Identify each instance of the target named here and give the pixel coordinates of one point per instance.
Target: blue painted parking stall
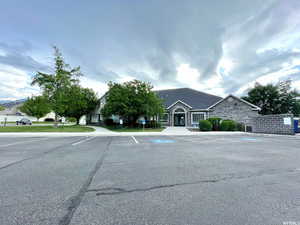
(162, 141)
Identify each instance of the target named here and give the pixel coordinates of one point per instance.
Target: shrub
(71, 119)
(205, 125)
(152, 124)
(49, 120)
(228, 125)
(109, 122)
(240, 127)
(215, 121)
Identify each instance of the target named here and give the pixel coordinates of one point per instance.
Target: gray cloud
(17, 56)
(150, 39)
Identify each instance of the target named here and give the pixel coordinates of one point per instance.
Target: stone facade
(229, 108)
(274, 124)
(233, 108)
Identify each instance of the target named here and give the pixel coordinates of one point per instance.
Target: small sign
(287, 121)
(121, 122)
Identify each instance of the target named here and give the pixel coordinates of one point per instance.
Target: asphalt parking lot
(157, 180)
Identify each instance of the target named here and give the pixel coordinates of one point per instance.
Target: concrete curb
(108, 134)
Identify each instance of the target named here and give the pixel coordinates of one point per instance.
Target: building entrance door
(179, 119)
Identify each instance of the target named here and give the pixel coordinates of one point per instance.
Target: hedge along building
(185, 107)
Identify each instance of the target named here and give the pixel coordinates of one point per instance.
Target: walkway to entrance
(176, 130)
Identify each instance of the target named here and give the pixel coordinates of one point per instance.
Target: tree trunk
(77, 121)
(55, 121)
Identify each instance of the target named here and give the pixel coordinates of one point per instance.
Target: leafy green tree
(55, 84)
(1, 108)
(36, 106)
(131, 100)
(274, 99)
(288, 98)
(76, 102)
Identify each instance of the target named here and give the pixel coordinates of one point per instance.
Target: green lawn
(34, 122)
(127, 129)
(43, 122)
(74, 128)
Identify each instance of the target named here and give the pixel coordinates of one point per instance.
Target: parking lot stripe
(82, 141)
(136, 141)
(22, 142)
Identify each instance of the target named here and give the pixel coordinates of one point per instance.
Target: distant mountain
(9, 104)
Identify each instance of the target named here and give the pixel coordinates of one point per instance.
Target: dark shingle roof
(195, 99)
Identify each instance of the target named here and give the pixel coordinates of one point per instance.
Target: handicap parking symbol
(162, 141)
(249, 139)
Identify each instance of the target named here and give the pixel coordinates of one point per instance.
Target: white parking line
(136, 141)
(82, 141)
(22, 142)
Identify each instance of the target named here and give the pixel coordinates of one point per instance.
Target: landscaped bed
(75, 128)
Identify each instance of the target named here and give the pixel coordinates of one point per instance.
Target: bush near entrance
(215, 121)
(216, 124)
(205, 125)
(228, 125)
(240, 127)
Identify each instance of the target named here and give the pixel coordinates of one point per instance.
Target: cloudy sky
(219, 47)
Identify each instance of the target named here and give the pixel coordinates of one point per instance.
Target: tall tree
(54, 84)
(36, 106)
(131, 100)
(288, 98)
(274, 99)
(76, 102)
(1, 108)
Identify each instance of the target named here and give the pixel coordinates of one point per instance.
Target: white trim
(192, 113)
(242, 100)
(196, 110)
(180, 102)
(179, 107)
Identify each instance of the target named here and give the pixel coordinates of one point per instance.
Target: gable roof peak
(239, 99)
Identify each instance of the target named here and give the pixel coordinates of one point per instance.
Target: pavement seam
(117, 191)
(76, 200)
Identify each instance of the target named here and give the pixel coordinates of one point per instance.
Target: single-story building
(186, 106)
(12, 113)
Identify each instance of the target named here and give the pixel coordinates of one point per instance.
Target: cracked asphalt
(157, 180)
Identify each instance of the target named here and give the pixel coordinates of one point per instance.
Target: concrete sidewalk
(108, 134)
(177, 130)
(103, 132)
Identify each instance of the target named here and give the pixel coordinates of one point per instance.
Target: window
(164, 117)
(179, 110)
(197, 116)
